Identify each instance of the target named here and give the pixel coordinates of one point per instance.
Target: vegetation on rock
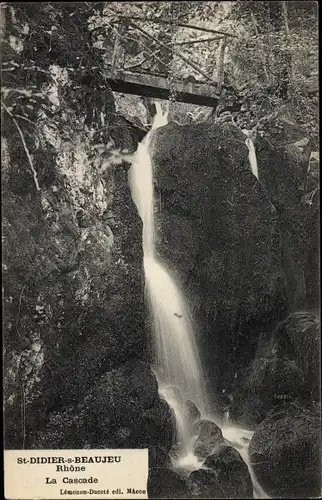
(76, 336)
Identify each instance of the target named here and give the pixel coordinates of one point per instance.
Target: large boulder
(225, 475)
(232, 472)
(267, 383)
(166, 483)
(157, 426)
(204, 483)
(285, 452)
(209, 437)
(298, 339)
(225, 244)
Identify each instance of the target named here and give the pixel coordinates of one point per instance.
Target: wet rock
(176, 451)
(209, 437)
(157, 425)
(171, 392)
(267, 383)
(285, 453)
(165, 483)
(232, 472)
(204, 484)
(192, 412)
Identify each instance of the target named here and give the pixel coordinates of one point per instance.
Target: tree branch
(287, 29)
(24, 145)
(201, 40)
(168, 21)
(257, 34)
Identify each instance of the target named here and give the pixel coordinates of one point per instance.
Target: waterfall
(176, 360)
(252, 156)
(226, 419)
(240, 438)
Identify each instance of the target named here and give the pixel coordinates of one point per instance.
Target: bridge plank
(149, 85)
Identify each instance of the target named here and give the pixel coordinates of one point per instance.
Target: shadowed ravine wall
(239, 246)
(220, 231)
(76, 336)
(77, 339)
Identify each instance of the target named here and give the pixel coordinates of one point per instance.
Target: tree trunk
(119, 53)
(286, 18)
(276, 14)
(221, 61)
(257, 34)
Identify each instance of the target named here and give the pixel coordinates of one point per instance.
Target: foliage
(270, 61)
(278, 52)
(51, 80)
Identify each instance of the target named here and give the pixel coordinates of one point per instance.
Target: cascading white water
(177, 364)
(252, 156)
(240, 438)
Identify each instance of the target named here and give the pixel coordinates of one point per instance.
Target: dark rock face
(122, 410)
(159, 457)
(127, 398)
(203, 483)
(283, 177)
(209, 437)
(267, 383)
(285, 453)
(232, 472)
(192, 412)
(73, 293)
(224, 238)
(165, 483)
(286, 368)
(298, 339)
(226, 476)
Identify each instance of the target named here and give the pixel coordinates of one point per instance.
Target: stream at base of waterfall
(177, 364)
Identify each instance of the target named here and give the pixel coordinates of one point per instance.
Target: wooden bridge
(189, 90)
(149, 85)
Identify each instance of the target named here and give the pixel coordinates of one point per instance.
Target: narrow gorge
(160, 257)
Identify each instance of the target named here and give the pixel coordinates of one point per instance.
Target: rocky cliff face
(73, 284)
(286, 369)
(73, 281)
(219, 229)
(283, 174)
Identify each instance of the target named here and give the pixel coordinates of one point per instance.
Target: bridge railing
(120, 61)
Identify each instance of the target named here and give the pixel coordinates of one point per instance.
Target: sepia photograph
(160, 250)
